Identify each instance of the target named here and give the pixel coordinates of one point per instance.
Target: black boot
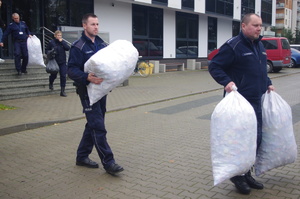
(252, 182)
(51, 86)
(241, 184)
(62, 92)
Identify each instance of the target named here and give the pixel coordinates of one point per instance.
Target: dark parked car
(295, 59)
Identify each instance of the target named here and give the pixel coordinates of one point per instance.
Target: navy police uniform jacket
(19, 31)
(243, 62)
(60, 48)
(81, 50)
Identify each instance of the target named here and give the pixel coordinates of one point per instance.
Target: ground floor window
(186, 35)
(236, 26)
(65, 12)
(212, 33)
(147, 29)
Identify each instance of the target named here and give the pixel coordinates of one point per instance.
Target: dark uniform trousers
(62, 75)
(94, 133)
(256, 104)
(21, 51)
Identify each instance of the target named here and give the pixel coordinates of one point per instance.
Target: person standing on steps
(20, 33)
(95, 132)
(60, 47)
(242, 61)
(2, 25)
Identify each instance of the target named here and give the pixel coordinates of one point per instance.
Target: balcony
(280, 16)
(279, 5)
(279, 25)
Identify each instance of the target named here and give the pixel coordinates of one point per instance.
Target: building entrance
(29, 11)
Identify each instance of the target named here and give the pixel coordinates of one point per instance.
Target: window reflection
(186, 35)
(65, 12)
(266, 11)
(147, 24)
(224, 7)
(248, 6)
(212, 34)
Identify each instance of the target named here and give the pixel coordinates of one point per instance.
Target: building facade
(159, 29)
(296, 16)
(283, 15)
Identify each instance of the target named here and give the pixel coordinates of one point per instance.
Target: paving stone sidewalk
(164, 147)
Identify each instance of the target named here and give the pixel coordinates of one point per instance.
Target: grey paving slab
(163, 143)
(165, 155)
(34, 112)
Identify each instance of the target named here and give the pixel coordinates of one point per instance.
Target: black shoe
(62, 92)
(87, 163)
(114, 169)
(19, 73)
(241, 184)
(25, 72)
(252, 182)
(51, 87)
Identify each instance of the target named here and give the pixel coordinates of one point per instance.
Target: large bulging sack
(278, 146)
(115, 63)
(233, 137)
(35, 55)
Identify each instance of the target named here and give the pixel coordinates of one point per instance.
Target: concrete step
(34, 83)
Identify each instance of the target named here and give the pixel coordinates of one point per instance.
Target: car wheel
(269, 67)
(277, 69)
(293, 64)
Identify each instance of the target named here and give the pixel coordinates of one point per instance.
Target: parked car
(278, 53)
(295, 60)
(296, 46)
(146, 48)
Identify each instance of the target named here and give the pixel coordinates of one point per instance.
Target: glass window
(285, 44)
(186, 35)
(147, 24)
(235, 28)
(77, 9)
(224, 7)
(212, 34)
(270, 44)
(29, 11)
(248, 6)
(65, 12)
(162, 2)
(266, 11)
(188, 4)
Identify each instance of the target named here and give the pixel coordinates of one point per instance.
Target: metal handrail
(47, 38)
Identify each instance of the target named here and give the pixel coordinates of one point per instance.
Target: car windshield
(285, 44)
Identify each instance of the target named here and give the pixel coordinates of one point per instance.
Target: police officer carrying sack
(20, 32)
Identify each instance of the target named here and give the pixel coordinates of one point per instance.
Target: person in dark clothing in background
(2, 26)
(242, 61)
(60, 47)
(20, 32)
(95, 132)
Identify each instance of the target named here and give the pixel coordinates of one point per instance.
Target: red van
(278, 53)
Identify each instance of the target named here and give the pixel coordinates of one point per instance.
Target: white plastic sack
(115, 63)
(233, 137)
(278, 146)
(35, 55)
